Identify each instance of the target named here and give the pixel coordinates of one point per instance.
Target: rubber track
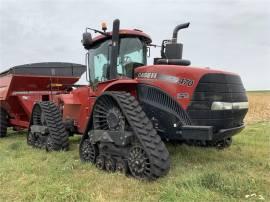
(3, 123)
(145, 133)
(57, 132)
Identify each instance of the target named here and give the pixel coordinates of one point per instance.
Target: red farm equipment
(129, 108)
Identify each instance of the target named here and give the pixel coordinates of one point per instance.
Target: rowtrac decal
(173, 79)
(182, 96)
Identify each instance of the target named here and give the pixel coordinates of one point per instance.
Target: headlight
(229, 105)
(240, 105)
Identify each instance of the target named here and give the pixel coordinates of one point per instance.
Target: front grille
(217, 87)
(160, 100)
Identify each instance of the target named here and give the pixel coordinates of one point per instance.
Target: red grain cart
(23, 86)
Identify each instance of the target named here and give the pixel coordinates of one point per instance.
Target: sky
(229, 35)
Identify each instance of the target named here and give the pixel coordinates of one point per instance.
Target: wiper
(98, 31)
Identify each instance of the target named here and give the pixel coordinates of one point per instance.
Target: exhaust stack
(178, 28)
(171, 51)
(115, 49)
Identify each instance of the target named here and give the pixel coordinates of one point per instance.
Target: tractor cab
(115, 54)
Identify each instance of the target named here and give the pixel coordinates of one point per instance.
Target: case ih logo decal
(147, 75)
(168, 78)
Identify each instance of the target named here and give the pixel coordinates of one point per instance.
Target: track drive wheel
(46, 128)
(3, 123)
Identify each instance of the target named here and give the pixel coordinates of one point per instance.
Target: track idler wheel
(138, 162)
(88, 151)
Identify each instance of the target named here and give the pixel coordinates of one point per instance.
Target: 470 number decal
(185, 82)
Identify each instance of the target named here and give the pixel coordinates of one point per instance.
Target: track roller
(110, 164)
(121, 166)
(100, 162)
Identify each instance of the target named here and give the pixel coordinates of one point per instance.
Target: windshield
(132, 52)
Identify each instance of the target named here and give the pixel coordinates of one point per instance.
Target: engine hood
(177, 70)
(178, 81)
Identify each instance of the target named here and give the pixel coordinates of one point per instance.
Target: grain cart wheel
(122, 131)
(3, 122)
(46, 128)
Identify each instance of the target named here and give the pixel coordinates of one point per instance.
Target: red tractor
(128, 108)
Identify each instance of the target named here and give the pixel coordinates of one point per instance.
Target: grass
(239, 173)
(197, 174)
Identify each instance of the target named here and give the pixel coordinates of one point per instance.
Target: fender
(125, 84)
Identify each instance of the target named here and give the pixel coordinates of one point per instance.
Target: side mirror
(148, 50)
(87, 40)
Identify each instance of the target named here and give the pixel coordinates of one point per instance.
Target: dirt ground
(259, 107)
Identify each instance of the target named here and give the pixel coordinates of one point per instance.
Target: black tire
(158, 163)
(3, 123)
(47, 114)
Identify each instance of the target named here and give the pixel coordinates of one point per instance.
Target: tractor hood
(179, 82)
(177, 70)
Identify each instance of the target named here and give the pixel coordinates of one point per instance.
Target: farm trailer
(23, 86)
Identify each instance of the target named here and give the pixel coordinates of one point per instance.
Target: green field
(240, 173)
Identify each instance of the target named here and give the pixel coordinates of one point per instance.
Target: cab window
(131, 51)
(99, 62)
